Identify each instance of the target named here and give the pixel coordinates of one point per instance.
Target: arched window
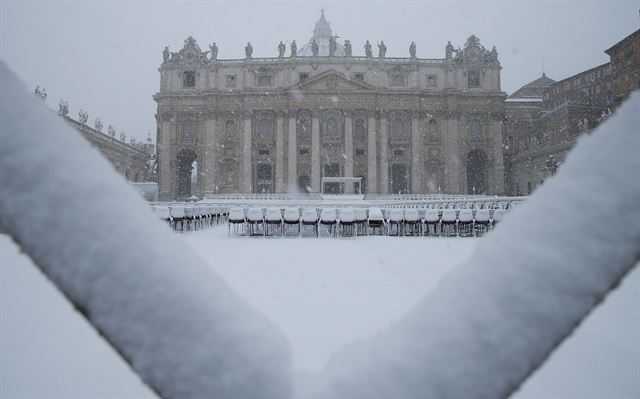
(304, 127)
(475, 130)
(332, 127)
(361, 129)
(187, 129)
(264, 128)
(230, 125)
(397, 128)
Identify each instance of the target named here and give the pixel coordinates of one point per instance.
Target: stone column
(372, 159)
(348, 152)
(384, 155)
(416, 156)
(280, 154)
(315, 154)
(453, 165)
(246, 171)
(166, 172)
(498, 186)
(209, 156)
(292, 160)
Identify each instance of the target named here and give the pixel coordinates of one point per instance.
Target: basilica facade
(281, 124)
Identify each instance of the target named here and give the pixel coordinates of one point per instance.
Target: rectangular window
(263, 151)
(359, 152)
(230, 81)
(264, 80)
(473, 79)
(304, 151)
(303, 76)
(189, 79)
(432, 80)
(359, 76)
(187, 129)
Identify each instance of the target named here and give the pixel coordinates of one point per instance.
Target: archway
(477, 173)
(184, 167)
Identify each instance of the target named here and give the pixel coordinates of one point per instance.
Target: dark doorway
(332, 170)
(264, 178)
(399, 179)
(184, 167)
(304, 184)
(477, 174)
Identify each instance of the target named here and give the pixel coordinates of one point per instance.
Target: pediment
(331, 80)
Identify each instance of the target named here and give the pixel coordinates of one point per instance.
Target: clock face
(190, 55)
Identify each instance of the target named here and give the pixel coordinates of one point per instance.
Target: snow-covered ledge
(179, 325)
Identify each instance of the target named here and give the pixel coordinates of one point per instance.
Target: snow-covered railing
(179, 325)
(480, 333)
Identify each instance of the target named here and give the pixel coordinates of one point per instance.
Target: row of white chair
(183, 218)
(256, 221)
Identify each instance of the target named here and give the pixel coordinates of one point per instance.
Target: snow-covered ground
(322, 293)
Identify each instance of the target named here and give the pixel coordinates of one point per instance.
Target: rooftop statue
(166, 54)
(347, 48)
(314, 47)
(412, 50)
(493, 54)
(213, 49)
(449, 50)
(248, 50)
(332, 46)
(367, 50)
(294, 48)
(281, 49)
(382, 49)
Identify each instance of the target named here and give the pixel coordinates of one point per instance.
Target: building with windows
(280, 124)
(545, 118)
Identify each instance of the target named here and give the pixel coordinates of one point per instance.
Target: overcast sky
(103, 56)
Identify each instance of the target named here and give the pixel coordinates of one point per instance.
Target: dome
(321, 32)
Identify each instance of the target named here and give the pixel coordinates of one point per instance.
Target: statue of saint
(281, 49)
(493, 54)
(248, 50)
(166, 54)
(412, 49)
(314, 47)
(214, 51)
(367, 49)
(347, 48)
(294, 48)
(332, 46)
(382, 49)
(449, 50)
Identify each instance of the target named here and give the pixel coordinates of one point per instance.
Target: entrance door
(399, 179)
(332, 170)
(264, 178)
